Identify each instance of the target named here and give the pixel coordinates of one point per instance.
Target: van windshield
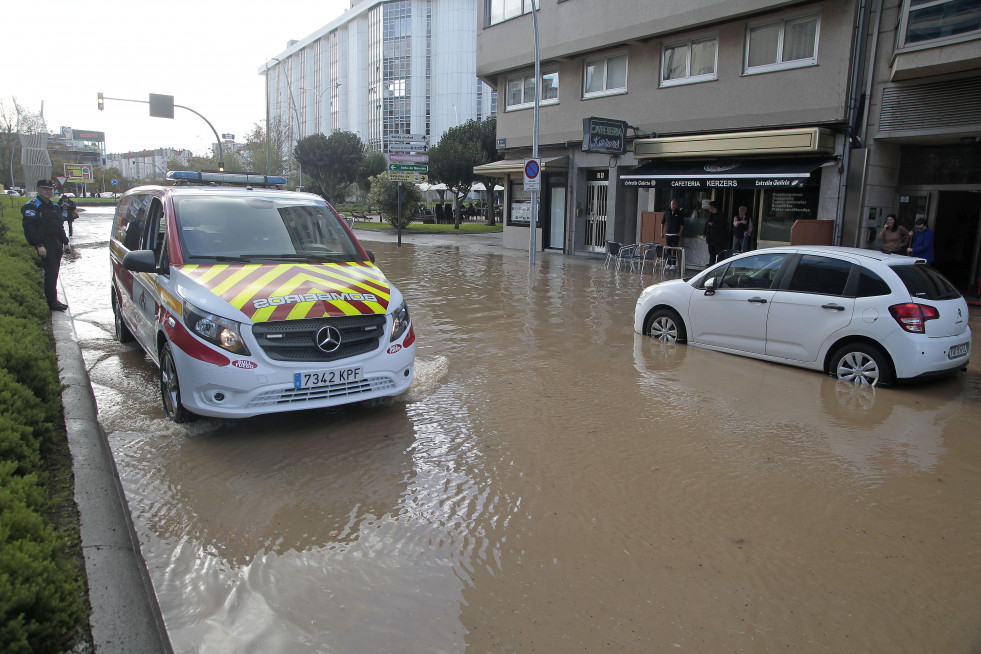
(257, 229)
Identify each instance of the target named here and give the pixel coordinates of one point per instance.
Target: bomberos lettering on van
(278, 300)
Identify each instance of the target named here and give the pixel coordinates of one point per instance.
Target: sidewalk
(125, 616)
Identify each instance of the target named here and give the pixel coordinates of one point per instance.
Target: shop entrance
(597, 192)
(957, 239)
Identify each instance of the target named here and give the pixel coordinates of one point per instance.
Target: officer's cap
(44, 182)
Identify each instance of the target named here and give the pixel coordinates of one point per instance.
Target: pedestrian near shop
(716, 232)
(44, 229)
(742, 230)
(672, 228)
(893, 236)
(921, 245)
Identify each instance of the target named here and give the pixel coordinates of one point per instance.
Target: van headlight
(219, 331)
(400, 321)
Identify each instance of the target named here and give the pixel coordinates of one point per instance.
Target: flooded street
(552, 482)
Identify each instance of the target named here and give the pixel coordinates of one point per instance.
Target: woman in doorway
(894, 237)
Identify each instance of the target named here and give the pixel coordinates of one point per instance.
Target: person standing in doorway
(45, 230)
(742, 230)
(716, 233)
(672, 227)
(921, 245)
(894, 237)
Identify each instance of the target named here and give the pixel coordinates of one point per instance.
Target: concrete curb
(125, 615)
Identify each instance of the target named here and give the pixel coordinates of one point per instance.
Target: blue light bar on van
(224, 178)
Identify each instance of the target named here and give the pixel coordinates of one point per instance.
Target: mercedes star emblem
(328, 339)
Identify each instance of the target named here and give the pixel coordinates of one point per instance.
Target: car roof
(226, 190)
(858, 253)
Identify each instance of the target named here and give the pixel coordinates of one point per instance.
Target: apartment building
(384, 67)
(741, 102)
(920, 149)
(144, 165)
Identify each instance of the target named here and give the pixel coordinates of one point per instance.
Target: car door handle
(757, 300)
(836, 307)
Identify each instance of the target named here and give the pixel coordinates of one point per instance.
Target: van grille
(295, 340)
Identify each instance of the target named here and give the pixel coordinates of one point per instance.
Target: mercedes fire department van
(254, 300)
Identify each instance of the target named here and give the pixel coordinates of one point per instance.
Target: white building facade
(384, 67)
(145, 165)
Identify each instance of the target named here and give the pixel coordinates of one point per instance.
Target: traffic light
(102, 103)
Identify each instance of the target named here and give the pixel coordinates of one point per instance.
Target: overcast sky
(205, 53)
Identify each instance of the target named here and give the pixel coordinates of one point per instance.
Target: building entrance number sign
(533, 174)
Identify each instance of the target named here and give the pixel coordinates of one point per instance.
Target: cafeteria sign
(604, 135)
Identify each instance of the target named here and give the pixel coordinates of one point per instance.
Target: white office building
(383, 67)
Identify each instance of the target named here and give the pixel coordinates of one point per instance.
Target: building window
(931, 20)
(499, 11)
(781, 44)
(605, 76)
(689, 61)
(521, 90)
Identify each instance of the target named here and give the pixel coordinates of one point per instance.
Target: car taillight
(912, 317)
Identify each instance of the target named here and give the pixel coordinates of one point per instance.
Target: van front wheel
(170, 388)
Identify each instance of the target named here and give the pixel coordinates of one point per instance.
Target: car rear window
(924, 282)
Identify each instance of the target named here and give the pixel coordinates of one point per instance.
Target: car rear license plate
(327, 377)
(957, 351)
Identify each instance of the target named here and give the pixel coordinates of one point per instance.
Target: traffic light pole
(221, 154)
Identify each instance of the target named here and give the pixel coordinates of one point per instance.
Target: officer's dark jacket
(42, 223)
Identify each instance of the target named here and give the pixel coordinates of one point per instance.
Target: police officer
(46, 232)
(69, 211)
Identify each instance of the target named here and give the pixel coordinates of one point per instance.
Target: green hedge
(43, 601)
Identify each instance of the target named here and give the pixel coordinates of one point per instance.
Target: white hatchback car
(859, 315)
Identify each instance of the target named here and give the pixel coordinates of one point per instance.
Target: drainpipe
(855, 111)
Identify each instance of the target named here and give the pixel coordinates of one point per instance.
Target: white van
(253, 300)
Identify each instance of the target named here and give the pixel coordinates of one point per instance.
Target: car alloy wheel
(861, 364)
(665, 326)
(170, 388)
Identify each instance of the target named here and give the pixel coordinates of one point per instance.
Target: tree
(459, 150)
(266, 152)
(385, 195)
(332, 162)
(372, 165)
(14, 120)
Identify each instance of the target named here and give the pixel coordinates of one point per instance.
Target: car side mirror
(140, 261)
(371, 255)
(710, 286)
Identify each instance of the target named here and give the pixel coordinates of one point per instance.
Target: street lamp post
(296, 114)
(319, 98)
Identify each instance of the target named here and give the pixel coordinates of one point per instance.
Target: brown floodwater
(551, 482)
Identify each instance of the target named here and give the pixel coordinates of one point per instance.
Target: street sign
(533, 174)
(406, 147)
(421, 138)
(114, 182)
(408, 158)
(408, 177)
(414, 168)
(61, 180)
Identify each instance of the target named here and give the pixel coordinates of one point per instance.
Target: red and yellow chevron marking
(292, 291)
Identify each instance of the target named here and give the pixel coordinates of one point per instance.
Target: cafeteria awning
(764, 173)
(517, 166)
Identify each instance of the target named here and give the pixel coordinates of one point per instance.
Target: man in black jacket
(716, 232)
(44, 230)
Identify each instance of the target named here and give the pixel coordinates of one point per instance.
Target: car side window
(870, 284)
(135, 221)
(156, 228)
(821, 275)
(756, 271)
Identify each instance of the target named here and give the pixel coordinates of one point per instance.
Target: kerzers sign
(604, 135)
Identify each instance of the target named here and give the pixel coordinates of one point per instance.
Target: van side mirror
(371, 255)
(140, 261)
(710, 285)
